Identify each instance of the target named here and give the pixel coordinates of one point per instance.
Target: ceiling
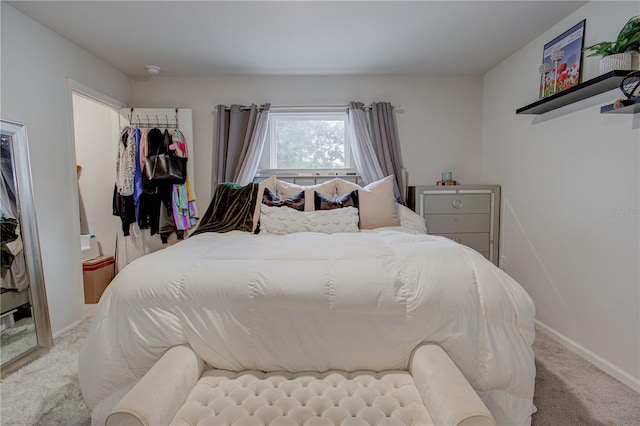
(193, 38)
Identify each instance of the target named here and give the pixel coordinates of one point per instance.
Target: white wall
(35, 65)
(570, 185)
(439, 129)
(96, 130)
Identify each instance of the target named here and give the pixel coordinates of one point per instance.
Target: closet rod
(163, 122)
(149, 121)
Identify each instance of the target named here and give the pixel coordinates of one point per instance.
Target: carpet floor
(46, 391)
(569, 390)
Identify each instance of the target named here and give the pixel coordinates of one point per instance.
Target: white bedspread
(314, 302)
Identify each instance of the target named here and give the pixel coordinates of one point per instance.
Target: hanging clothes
(163, 208)
(183, 196)
(123, 204)
(144, 147)
(167, 224)
(151, 197)
(137, 177)
(125, 163)
(145, 201)
(124, 208)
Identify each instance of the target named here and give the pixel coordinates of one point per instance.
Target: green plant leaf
(628, 39)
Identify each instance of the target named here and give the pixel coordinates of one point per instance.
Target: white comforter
(310, 301)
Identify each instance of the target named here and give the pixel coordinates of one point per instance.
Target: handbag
(165, 167)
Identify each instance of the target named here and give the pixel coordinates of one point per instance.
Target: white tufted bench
(178, 390)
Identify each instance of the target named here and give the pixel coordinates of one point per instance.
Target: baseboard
(603, 364)
(64, 330)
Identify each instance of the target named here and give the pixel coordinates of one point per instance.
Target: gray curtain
(374, 143)
(364, 155)
(240, 135)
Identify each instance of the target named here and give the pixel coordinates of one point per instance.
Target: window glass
(307, 141)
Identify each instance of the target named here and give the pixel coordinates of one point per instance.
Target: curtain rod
(313, 107)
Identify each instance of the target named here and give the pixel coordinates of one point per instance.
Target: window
(307, 141)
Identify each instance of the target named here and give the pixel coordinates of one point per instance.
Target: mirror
(25, 330)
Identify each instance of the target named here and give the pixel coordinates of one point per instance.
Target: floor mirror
(25, 329)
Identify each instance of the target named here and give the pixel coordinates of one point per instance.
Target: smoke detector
(152, 69)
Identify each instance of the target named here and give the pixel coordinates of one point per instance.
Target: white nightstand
(468, 214)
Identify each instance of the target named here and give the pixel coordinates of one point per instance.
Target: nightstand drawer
(457, 203)
(477, 241)
(469, 214)
(458, 223)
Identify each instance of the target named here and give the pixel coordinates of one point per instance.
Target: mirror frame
(31, 244)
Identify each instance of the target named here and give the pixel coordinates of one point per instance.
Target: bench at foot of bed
(179, 390)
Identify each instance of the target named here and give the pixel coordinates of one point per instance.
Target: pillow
(231, 208)
(288, 189)
(284, 220)
(377, 202)
(295, 202)
(411, 220)
(267, 183)
(322, 202)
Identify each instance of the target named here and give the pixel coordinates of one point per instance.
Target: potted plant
(621, 53)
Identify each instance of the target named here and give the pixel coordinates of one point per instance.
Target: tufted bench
(178, 390)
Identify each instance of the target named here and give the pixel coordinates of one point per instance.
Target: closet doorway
(96, 130)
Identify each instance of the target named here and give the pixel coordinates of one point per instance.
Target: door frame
(76, 87)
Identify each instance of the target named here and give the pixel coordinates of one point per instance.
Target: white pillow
(285, 220)
(411, 220)
(376, 201)
(267, 183)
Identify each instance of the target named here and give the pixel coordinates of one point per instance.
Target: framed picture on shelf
(562, 61)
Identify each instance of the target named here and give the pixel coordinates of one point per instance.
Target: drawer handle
(457, 203)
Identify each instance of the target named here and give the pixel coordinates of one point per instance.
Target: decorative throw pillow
(322, 202)
(295, 202)
(270, 183)
(284, 220)
(377, 202)
(231, 208)
(288, 189)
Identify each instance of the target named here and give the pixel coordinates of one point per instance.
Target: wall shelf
(586, 89)
(632, 108)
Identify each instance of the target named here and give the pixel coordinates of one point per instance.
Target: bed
(316, 301)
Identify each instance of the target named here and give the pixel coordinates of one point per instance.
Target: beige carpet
(46, 392)
(571, 391)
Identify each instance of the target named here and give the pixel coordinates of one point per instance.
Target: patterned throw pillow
(322, 202)
(284, 220)
(267, 183)
(287, 189)
(295, 202)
